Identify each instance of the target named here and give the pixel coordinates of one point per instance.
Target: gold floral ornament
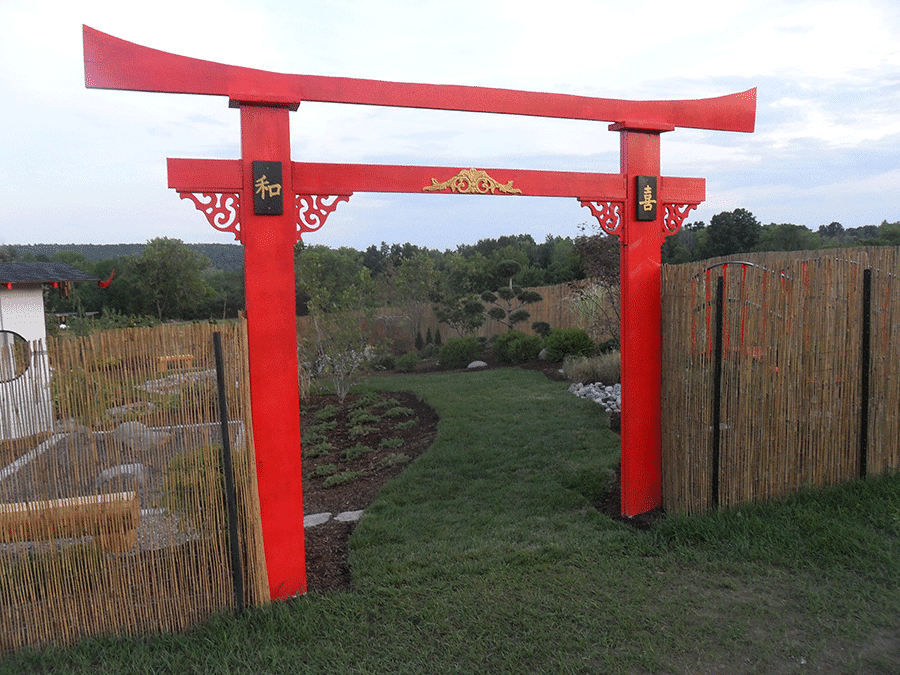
(472, 182)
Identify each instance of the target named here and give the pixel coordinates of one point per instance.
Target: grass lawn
(486, 556)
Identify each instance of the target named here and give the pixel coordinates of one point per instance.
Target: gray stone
(316, 519)
(477, 364)
(348, 516)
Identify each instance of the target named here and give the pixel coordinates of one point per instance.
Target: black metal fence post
(717, 389)
(864, 379)
(230, 495)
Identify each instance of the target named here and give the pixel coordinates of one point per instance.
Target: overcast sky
(89, 166)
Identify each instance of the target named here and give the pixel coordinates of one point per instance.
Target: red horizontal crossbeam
(223, 175)
(111, 63)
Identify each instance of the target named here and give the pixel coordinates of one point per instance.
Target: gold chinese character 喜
(648, 199)
(267, 189)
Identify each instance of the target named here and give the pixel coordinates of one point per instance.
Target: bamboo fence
(113, 520)
(792, 403)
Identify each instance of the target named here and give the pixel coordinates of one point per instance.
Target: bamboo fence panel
(136, 426)
(884, 421)
(791, 396)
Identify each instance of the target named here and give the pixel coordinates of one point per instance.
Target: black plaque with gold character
(645, 187)
(268, 197)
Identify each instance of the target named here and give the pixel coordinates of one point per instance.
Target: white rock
(477, 364)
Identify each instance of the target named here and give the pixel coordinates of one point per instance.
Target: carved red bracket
(674, 217)
(608, 214)
(312, 210)
(222, 209)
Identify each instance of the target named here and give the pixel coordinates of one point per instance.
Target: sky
(83, 165)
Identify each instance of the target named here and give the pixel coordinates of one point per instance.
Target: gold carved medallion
(473, 182)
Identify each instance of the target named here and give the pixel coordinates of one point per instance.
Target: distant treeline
(224, 257)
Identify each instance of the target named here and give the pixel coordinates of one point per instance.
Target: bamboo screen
(790, 407)
(112, 520)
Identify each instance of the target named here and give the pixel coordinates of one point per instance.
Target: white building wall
(26, 406)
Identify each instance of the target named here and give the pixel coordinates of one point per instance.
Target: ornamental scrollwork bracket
(674, 217)
(313, 210)
(222, 209)
(608, 214)
(472, 182)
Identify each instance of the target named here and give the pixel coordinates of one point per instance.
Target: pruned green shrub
(563, 342)
(459, 352)
(525, 349)
(542, 328)
(516, 347)
(502, 344)
(407, 362)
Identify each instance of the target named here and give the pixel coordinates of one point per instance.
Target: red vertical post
(272, 335)
(641, 319)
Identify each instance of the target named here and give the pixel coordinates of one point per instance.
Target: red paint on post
(272, 337)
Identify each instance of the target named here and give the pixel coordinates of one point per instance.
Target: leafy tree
(729, 233)
(171, 279)
(787, 237)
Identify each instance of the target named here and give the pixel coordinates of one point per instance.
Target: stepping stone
(348, 516)
(316, 519)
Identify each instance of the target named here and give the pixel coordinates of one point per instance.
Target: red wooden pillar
(641, 344)
(272, 335)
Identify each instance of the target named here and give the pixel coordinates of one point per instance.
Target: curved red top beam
(111, 63)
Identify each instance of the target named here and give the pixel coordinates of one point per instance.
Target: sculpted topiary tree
(509, 302)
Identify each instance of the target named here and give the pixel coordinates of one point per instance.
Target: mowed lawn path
(487, 556)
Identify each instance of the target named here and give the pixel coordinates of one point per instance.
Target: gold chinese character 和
(266, 189)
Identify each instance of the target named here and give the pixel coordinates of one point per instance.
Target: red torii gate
(268, 202)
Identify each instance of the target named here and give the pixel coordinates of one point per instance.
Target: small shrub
(364, 401)
(385, 362)
(390, 443)
(386, 403)
(430, 351)
(503, 342)
(407, 362)
(525, 349)
(362, 430)
(362, 417)
(355, 452)
(341, 478)
(327, 412)
(399, 411)
(325, 470)
(564, 342)
(459, 352)
(319, 450)
(408, 424)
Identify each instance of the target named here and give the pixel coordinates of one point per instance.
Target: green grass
(486, 556)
